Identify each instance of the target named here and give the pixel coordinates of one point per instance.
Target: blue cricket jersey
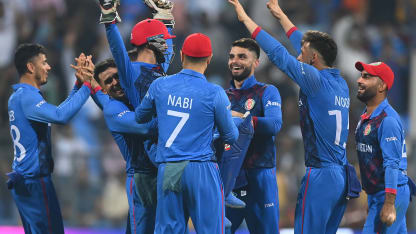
(323, 103)
(187, 107)
(381, 150)
(135, 77)
(264, 103)
(30, 119)
(127, 133)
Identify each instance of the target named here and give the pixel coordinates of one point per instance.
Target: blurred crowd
(89, 170)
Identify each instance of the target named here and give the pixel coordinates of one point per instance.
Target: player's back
(324, 120)
(185, 112)
(31, 139)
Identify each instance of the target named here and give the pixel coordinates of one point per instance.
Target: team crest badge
(367, 129)
(249, 104)
(227, 147)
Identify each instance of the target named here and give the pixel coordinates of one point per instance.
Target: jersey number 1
(184, 117)
(338, 118)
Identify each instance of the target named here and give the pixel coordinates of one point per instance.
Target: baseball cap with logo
(379, 69)
(197, 45)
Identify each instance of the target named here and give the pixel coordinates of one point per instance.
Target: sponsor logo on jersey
(367, 129)
(249, 104)
(40, 103)
(243, 193)
(227, 147)
(268, 205)
(122, 113)
(270, 103)
(388, 139)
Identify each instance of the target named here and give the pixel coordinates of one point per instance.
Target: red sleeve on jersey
(256, 31)
(289, 33)
(390, 190)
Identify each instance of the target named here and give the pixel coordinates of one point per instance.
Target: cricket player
(256, 185)
(324, 106)
(120, 119)
(30, 119)
(188, 108)
(381, 151)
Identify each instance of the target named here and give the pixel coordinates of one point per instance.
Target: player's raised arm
(302, 71)
(292, 33)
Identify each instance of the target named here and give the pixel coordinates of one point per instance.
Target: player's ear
(30, 67)
(256, 63)
(209, 59)
(182, 56)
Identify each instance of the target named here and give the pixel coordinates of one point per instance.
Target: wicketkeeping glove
(162, 10)
(109, 12)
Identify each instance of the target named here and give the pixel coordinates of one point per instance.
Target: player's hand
(275, 9)
(109, 12)
(84, 68)
(241, 13)
(162, 10)
(80, 61)
(388, 214)
(237, 114)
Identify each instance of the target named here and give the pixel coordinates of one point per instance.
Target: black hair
(24, 54)
(196, 59)
(102, 66)
(324, 44)
(249, 44)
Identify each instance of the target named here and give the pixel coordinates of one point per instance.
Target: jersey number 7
(184, 117)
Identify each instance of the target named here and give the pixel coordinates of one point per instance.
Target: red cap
(379, 69)
(197, 45)
(146, 29)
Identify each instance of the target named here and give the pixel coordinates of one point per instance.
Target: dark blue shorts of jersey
(375, 203)
(262, 202)
(141, 219)
(321, 200)
(200, 197)
(38, 205)
(233, 156)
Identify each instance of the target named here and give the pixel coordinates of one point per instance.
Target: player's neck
(195, 67)
(30, 80)
(146, 56)
(374, 103)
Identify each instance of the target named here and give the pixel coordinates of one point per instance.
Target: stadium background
(89, 170)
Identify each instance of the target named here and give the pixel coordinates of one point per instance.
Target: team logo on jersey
(249, 104)
(367, 129)
(227, 147)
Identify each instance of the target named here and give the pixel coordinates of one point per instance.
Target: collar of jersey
(248, 83)
(379, 109)
(192, 73)
(23, 85)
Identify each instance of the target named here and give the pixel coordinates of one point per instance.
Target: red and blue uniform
(324, 107)
(188, 108)
(381, 151)
(256, 185)
(30, 128)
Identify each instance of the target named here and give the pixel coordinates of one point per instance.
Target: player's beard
(368, 94)
(40, 79)
(242, 76)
